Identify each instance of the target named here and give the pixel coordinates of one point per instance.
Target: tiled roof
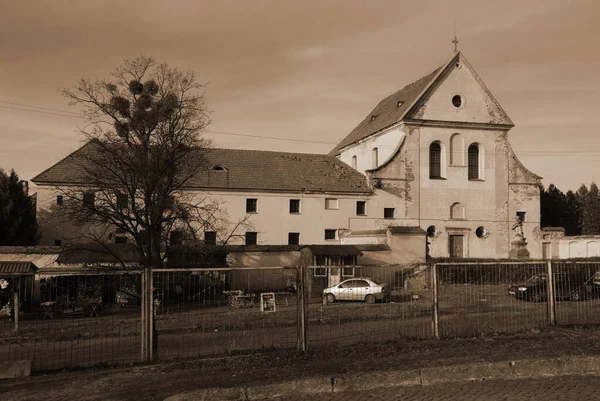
(17, 268)
(242, 169)
(388, 112)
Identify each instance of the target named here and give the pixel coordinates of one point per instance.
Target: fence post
(434, 303)
(550, 299)
(143, 331)
(16, 307)
(301, 307)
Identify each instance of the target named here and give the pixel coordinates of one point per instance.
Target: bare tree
(144, 152)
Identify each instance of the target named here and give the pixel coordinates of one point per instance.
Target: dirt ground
(156, 382)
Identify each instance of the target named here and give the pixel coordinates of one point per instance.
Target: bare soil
(156, 382)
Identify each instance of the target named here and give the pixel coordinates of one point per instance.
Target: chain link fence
(81, 319)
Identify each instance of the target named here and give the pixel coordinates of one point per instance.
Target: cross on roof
(455, 41)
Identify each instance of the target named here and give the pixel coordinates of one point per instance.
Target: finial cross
(455, 41)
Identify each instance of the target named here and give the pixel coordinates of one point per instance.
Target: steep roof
(12, 268)
(240, 169)
(388, 111)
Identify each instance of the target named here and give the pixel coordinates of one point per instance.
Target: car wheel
(330, 298)
(535, 297)
(370, 299)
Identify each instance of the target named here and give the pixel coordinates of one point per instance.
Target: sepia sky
(309, 70)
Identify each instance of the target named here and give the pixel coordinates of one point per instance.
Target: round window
(431, 231)
(457, 101)
(481, 232)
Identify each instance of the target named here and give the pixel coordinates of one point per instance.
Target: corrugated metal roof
(13, 268)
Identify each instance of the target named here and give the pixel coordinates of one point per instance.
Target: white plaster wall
(579, 247)
(385, 143)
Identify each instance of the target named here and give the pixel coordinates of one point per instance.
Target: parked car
(567, 286)
(358, 289)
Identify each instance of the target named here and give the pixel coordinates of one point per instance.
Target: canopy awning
(12, 269)
(334, 250)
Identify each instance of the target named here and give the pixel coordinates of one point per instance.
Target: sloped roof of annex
(241, 170)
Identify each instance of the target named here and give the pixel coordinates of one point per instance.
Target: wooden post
(143, 308)
(550, 298)
(301, 308)
(435, 316)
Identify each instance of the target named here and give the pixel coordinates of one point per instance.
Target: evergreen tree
(591, 211)
(573, 214)
(18, 226)
(553, 204)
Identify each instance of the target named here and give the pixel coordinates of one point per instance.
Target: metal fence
(84, 319)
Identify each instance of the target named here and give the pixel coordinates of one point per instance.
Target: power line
(269, 137)
(41, 112)
(39, 107)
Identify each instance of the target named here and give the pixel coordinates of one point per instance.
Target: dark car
(567, 286)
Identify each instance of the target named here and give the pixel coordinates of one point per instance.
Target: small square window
(121, 202)
(88, 199)
(120, 239)
(251, 238)
(348, 272)
(330, 233)
(295, 206)
(251, 205)
(210, 238)
(388, 213)
(293, 238)
(361, 208)
(320, 272)
(331, 203)
(176, 238)
(59, 200)
(521, 216)
(57, 242)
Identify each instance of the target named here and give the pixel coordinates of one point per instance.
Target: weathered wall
(386, 143)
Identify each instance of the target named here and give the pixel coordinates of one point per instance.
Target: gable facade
(452, 169)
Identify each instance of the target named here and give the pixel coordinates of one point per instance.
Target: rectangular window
(122, 202)
(210, 238)
(330, 233)
(59, 200)
(349, 260)
(251, 237)
(320, 272)
(293, 238)
(119, 239)
(320, 260)
(361, 208)
(331, 203)
(348, 272)
(521, 216)
(88, 199)
(57, 242)
(388, 213)
(294, 205)
(251, 205)
(169, 201)
(176, 238)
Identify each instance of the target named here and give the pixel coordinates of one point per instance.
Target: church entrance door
(456, 246)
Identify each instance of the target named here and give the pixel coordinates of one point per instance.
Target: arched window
(435, 160)
(474, 162)
(375, 156)
(457, 211)
(457, 150)
(354, 163)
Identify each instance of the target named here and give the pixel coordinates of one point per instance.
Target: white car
(357, 289)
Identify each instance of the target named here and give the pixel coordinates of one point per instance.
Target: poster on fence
(267, 302)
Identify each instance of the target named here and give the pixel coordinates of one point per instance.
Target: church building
(433, 155)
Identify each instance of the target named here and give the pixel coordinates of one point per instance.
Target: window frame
(332, 203)
(59, 200)
(473, 162)
(348, 275)
(293, 235)
(251, 205)
(363, 206)
(319, 270)
(299, 203)
(211, 241)
(385, 212)
(330, 231)
(435, 163)
(89, 199)
(249, 235)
